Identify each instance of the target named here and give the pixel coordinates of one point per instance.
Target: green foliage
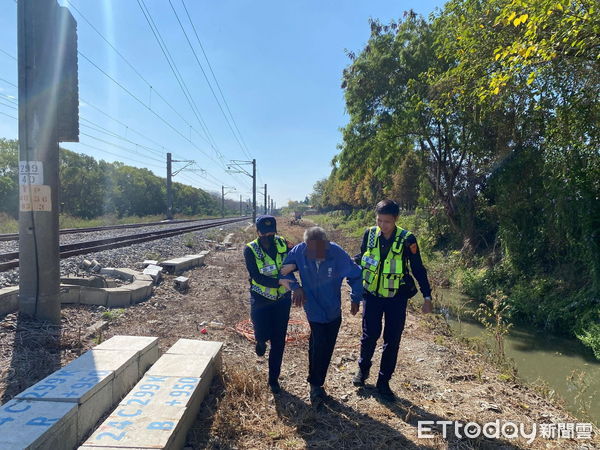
(90, 189)
(489, 113)
(590, 336)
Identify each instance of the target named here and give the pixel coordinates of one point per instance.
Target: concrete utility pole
(269, 205)
(170, 175)
(272, 209)
(235, 166)
(265, 198)
(169, 188)
(223, 193)
(48, 113)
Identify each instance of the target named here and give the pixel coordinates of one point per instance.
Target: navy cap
(266, 224)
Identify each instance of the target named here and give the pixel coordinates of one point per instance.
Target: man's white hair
(315, 233)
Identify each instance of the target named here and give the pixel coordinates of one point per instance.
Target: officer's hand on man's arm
(354, 308)
(298, 297)
(287, 268)
(427, 306)
(286, 283)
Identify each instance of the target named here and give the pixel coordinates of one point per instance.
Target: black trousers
(270, 321)
(320, 348)
(393, 313)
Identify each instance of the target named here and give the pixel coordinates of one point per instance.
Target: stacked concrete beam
(177, 265)
(160, 409)
(61, 409)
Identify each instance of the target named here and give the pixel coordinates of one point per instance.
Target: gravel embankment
(132, 256)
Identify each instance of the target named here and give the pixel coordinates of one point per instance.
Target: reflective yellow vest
(268, 267)
(384, 278)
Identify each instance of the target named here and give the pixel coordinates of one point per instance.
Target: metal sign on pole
(48, 113)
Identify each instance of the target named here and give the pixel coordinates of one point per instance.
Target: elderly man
(322, 266)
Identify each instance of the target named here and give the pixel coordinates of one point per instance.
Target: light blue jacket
(322, 286)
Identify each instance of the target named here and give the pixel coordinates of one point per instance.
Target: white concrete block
(170, 403)
(156, 430)
(125, 274)
(69, 384)
(181, 365)
(69, 293)
(9, 300)
(27, 424)
(142, 277)
(124, 363)
(93, 296)
(146, 346)
(195, 347)
(118, 296)
(140, 290)
(150, 262)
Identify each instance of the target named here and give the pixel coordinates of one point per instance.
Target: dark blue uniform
(269, 317)
(391, 310)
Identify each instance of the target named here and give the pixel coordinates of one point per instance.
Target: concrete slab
(92, 390)
(154, 271)
(140, 290)
(142, 277)
(69, 293)
(118, 296)
(182, 365)
(9, 300)
(195, 347)
(27, 424)
(93, 296)
(157, 430)
(125, 274)
(69, 384)
(150, 262)
(124, 363)
(171, 401)
(147, 347)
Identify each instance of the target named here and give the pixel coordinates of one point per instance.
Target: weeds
(494, 318)
(583, 399)
(112, 314)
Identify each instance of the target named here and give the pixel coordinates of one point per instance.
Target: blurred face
(316, 249)
(266, 239)
(386, 222)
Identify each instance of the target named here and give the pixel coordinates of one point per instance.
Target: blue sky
(279, 65)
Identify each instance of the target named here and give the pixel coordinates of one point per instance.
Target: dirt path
(436, 379)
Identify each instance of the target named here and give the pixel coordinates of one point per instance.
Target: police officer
(270, 298)
(385, 252)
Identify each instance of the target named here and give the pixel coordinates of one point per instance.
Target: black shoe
(360, 377)
(317, 394)
(261, 348)
(275, 388)
(383, 387)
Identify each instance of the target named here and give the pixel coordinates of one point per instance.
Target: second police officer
(385, 254)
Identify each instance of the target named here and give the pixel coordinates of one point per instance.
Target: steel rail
(9, 260)
(15, 236)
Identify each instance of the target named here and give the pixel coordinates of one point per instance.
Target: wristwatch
(427, 299)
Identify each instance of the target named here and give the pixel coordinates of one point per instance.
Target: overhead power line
(206, 77)
(167, 54)
(247, 151)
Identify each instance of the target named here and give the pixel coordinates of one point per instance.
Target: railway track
(10, 260)
(15, 236)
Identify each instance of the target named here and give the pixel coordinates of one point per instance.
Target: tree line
(90, 188)
(486, 116)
